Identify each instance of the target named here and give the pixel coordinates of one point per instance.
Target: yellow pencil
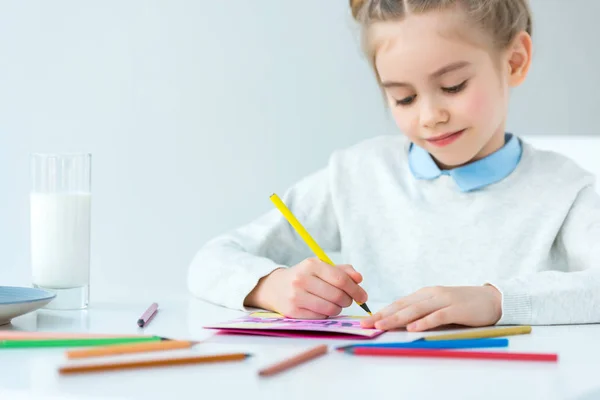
(483, 333)
(306, 237)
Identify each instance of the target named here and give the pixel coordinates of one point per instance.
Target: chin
(450, 160)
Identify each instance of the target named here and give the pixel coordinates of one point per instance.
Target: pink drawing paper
(269, 324)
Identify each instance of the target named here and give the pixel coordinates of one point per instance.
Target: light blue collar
(475, 175)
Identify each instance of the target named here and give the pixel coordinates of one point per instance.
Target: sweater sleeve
(228, 267)
(562, 297)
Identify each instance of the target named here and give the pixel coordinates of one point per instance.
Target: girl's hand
(435, 306)
(311, 289)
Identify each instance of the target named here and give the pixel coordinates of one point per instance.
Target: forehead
(421, 43)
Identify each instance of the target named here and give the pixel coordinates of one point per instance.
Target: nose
(432, 113)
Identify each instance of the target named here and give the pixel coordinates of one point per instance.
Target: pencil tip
(366, 308)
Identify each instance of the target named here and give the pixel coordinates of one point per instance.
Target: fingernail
(412, 326)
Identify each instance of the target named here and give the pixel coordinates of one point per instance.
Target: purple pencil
(147, 315)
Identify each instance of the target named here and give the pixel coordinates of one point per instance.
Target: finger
(395, 307)
(443, 316)
(324, 290)
(369, 322)
(341, 280)
(411, 313)
(317, 304)
(354, 274)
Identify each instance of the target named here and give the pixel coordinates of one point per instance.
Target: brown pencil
(294, 361)
(160, 362)
(117, 349)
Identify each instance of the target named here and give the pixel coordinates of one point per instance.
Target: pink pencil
(482, 355)
(147, 315)
(18, 335)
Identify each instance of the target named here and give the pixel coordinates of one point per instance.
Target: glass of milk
(60, 208)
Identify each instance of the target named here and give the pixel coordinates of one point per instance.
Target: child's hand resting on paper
(311, 289)
(435, 306)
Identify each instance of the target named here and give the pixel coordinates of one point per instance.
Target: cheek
(406, 120)
(481, 104)
(477, 105)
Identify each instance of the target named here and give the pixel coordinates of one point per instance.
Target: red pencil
(482, 355)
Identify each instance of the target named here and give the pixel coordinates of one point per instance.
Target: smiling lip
(446, 139)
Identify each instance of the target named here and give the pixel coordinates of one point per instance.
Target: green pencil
(76, 342)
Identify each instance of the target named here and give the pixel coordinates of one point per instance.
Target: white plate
(16, 301)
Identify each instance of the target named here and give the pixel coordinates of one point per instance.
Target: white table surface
(32, 374)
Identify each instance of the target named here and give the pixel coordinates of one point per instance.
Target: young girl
(455, 220)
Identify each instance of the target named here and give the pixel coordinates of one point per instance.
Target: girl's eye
(455, 89)
(405, 101)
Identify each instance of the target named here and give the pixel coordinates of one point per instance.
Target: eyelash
(405, 101)
(450, 90)
(457, 88)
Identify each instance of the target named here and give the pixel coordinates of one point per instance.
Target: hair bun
(356, 6)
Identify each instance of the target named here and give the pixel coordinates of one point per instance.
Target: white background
(196, 111)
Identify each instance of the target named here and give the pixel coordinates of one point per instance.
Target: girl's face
(448, 95)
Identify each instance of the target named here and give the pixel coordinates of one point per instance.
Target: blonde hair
(502, 20)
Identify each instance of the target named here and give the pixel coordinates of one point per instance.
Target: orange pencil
(159, 362)
(294, 361)
(128, 348)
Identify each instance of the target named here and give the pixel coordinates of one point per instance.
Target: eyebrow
(444, 70)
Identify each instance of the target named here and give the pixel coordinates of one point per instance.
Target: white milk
(60, 239)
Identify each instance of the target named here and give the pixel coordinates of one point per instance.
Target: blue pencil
(438, 344)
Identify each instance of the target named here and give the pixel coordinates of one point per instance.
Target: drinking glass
(60, 217)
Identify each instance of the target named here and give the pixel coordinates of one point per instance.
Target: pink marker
(147, 315)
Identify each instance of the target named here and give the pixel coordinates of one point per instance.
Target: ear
(519, 58)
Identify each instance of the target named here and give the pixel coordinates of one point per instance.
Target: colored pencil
(294, 361)
(482, 333)
(482, 355)
(158, 362)
(129, 348)
(436, 344)
(312, 244)
(20, 335)
(28, 343)
(147, 316)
